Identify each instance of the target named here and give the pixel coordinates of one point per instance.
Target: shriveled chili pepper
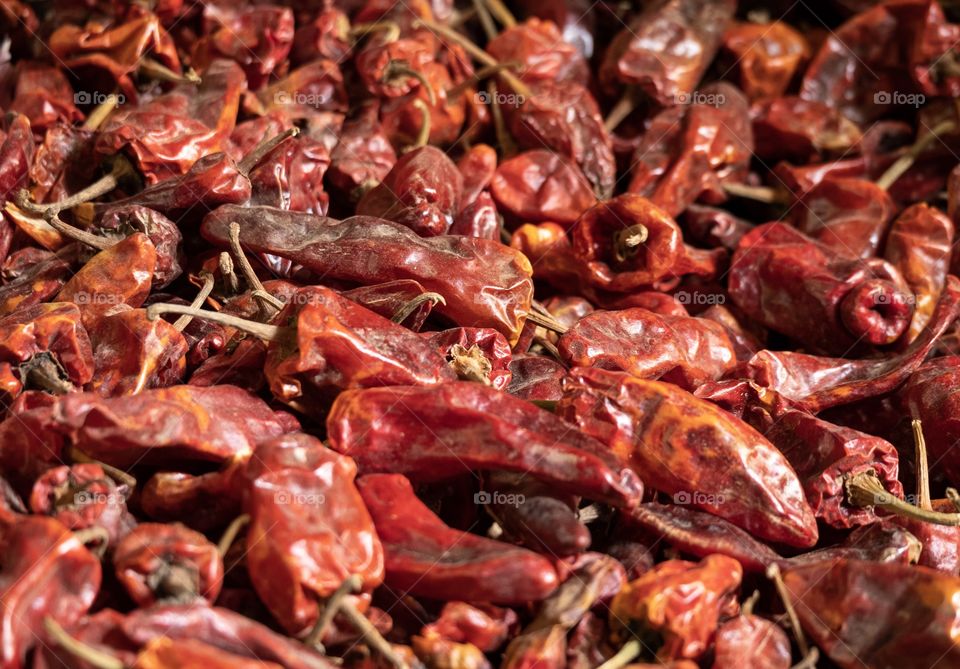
(876, 614)
(678, 349)
(680, 602)
(295, 484)
(485, 626)
(159, 562)
(422, 555)
(45, 571)
(802, 131)
(363, 155)
(765, 56)
(483, 283)
(538, 185)
(882, 541)
(930, 396)
(460, 426)
(751, 641)
(44, 96)
(688, 448)
(476, 354)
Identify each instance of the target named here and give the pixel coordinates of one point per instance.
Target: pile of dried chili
(466, 334)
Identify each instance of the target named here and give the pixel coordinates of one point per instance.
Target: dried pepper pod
(687, 447)
(679, 602)
(485, 626)
(435, 433)
(930, 396)
(123, 221)
(918, 245)
(792, 129)
(295, 486)
(540, 52)
(422, 555)
(817, 383)
(882, 615)
(43, 94)
(751, 641)
(363, 155)
(167, 561)
(830, 302)
(683, 350)
(765, 56)
(484, 283)
(883, 541)
(205, 501)
(629, 242)
(82, 496)
(196, 424)
(665, 50)
(475, 354)
(16, 156)
(48, 347)
(45, 571)
(539, 185)
(422, 191)
(39, 281)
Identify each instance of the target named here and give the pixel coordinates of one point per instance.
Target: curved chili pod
(680, 601)
(122, 274)
(484, 283)
(167, 561)
(881, 615)
(437, 432)
(166, 237)
(628, 242)
(44, 571)
(797, 286)
(882, 541)
(423, 556)
(802, 131)
(751, 641)
(309, 529)
(683, 350)
(689, 448)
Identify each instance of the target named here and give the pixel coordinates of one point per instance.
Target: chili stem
(759, 193)
(77, 648)
(486, 20)
(548, 322)
(230, 278)
(82, 236)
(118, 475)
(508, 147)
(503, 14)
(624, 656)
(487, 70)
(477, 53)
(809, 661)
(181, 323)
(397, 69)
(625, 105)
(101, 112)
(866, 489)
(121, 169)
(548, 347)
(627, 242)
(263, 331)
(423, 136)
(773, 573)
(404, 312)
(749, 603)
(230, 534)
(923, 471)
(350, 585)
(156, 70)
(371, 634)
(253, 281)
(391, 28)
(249, 161)
(905, 162)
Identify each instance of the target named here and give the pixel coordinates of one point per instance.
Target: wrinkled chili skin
(682, 601)
(876, 614)
(44, 571)
(144, 559)
(883, 541)
(848, 215)
(687, 445)
(502, 432)
(796, 286)
(484, 283)
(309, 528)
(930, 395)
(765, 56)
(679, 349)
(538, 185)
(457, 343)
(751, 641)
(424, 556)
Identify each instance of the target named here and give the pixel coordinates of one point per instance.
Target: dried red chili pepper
(801, 131)
(882, 541)
(539, 185)
(475, 354)
(930, 396)
(678, 349)
(461, 426)
(876, 614)
(363, 155)
(44, 96)
(828, 301)
(534, 377)
(751, 641)
(686, 447)
(16, 156)
(422, 191)
(160, 562)
(309, 529)
(82, 496)
(484, 283)
(679, 601)
(765, 56)
(422, 555)
(45, 570)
